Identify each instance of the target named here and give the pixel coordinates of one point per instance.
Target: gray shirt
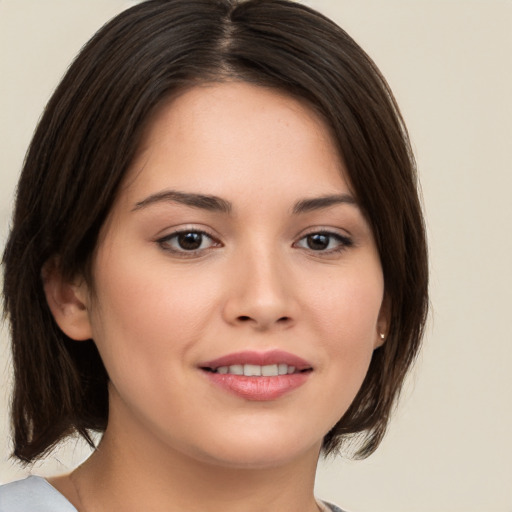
(33, 494)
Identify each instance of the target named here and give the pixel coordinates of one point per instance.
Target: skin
(158, 311)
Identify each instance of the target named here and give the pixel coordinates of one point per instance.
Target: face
(238, 289)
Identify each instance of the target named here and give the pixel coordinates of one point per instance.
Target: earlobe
(383, 323)
(68, 302)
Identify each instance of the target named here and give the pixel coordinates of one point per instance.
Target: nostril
(263, 323)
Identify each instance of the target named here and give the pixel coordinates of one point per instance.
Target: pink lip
(258, 388)
(259, 358)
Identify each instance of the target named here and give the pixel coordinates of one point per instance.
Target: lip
(258, 388)
(259, 358)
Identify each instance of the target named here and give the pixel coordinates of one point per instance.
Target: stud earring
(382, 336)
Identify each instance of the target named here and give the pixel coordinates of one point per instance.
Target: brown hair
(89, 134)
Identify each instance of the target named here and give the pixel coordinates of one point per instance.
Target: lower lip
(258, 388)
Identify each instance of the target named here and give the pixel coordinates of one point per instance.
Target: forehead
(234, 132)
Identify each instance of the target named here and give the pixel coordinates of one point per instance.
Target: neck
(148, 476)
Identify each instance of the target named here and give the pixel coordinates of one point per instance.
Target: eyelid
(326, 230)
(162, 241)
(345, 241)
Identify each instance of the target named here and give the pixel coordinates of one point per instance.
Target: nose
(261, 293)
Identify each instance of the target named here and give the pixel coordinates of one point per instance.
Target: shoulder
(327, 507)
(33, 494)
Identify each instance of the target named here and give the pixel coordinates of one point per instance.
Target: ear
(383, 322)
(68, 302)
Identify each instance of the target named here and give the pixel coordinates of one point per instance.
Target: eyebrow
(217, 204)
(202, 201)
(319, 203)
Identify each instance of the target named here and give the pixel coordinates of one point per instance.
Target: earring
(382, 336)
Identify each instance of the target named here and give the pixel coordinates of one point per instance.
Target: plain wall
(449, 447)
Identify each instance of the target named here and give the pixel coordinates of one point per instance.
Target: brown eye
(190, 241)
(324, 242)
(318, 242)
(184, 242)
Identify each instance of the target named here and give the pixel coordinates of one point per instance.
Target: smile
(255, 370)
(258, 376)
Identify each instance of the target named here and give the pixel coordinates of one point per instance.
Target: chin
(259, 452)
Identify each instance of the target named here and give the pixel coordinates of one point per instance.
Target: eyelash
(165, 242)
(342, 242)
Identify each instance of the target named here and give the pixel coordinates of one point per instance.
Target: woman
(217, 260)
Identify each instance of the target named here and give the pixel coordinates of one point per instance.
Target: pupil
(190, 241)
(318, 241)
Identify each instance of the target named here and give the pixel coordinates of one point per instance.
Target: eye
(187, 241)
(324, 241)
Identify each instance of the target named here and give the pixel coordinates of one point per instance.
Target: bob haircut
(89, 134)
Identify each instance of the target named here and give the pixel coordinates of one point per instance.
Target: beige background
(449, 447)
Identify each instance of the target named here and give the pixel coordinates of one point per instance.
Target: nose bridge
(265, 275)
(261, 291)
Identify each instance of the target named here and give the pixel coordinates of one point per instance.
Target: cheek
(146, 315)
(150, 296)
(347, 307)
(347, 317)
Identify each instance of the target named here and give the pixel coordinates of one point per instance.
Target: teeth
(269, 371)
(254, 370)
(236, 369)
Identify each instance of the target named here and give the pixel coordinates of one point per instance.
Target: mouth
(255, 370)
(258, 376)
(272, 363)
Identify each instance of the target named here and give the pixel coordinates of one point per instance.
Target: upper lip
(258, 358)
